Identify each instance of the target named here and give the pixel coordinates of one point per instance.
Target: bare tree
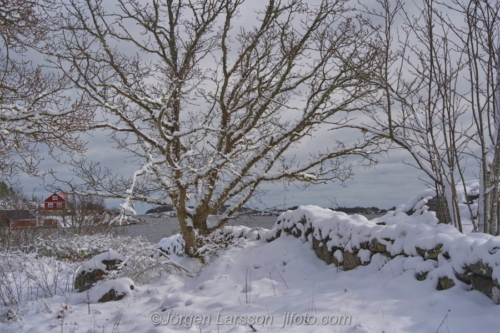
(211, 107)
(479, 35)
(419, 105)
(87, 215)
(33, 108)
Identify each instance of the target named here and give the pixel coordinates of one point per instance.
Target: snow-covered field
(269, 287)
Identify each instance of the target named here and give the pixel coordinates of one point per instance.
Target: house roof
(18, 215)
(62, 195)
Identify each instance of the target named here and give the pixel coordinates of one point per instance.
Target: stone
(434, 253)
(296, 232)
(482, 284)
(438, 206)
(445, 283)
(496, 283)
(431, 253)
(495, 295)
(376, 246)
(85, 280)
(481, 268)
(338, 257)
(464, 277)
(364, 245)
(95, 269)
(421, 252)
(315, 243)
(422, 276)
(322, 252)
(113, 295)
(307, 232)
(351, 261)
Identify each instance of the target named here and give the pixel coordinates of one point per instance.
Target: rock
(113, 290)
(338, 258)
(96, 268)
(376, 246)
(495, 295)
(438, 206)
(420, 252)
(482, 284)
(431, 253)
(445, 283)
(422, 276)
(351, 261)
(364, 245)
(464, 277)
(496, 283)
(434, 253)
(315, 243)
(481, 268)
(322, 252)
(85, 280)
(423, 268)
(278, 235)
(296, 232)
(113, 295)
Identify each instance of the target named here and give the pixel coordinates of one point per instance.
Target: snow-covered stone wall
(441, 252)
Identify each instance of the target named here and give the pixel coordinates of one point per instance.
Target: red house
(17, 218)
(56, 204)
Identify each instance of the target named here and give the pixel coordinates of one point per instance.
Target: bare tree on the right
(479, 37)
(439, 93)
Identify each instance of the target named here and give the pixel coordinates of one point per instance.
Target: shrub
(26, 277)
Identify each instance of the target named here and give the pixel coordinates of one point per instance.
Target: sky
(390, 183)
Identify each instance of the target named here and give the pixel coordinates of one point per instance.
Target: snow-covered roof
(62, 195)
(17, 215)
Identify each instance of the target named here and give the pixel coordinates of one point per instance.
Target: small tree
(213, 108)
(86, 215)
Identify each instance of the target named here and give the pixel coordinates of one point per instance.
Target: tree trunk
(193, 230)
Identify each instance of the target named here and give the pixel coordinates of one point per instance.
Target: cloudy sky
(390, 183)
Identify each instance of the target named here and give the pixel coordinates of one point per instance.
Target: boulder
(481, 268)
(96, 269)
(434, 252)
(113, 295)
(376, 246)
(113, 290)
(444, 283)
(464, 277)
(338, 258)
(421, 276)
(351, 261)
(482, 284)
(431, 253)
(323, 253)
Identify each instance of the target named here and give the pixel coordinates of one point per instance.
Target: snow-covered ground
(274, 287)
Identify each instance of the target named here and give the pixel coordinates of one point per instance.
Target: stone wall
(351, 242)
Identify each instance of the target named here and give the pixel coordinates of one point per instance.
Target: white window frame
(59, 205)
(50, 205)
(55, 197)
